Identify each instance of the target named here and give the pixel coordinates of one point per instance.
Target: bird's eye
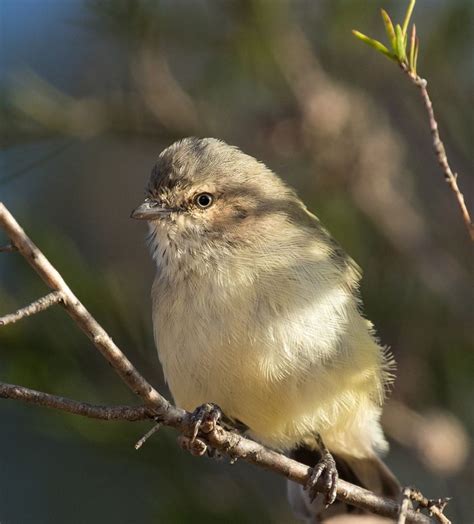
(203, 200)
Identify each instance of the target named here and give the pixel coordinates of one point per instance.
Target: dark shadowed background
(91, 92)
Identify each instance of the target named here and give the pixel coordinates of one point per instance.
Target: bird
(257, 318)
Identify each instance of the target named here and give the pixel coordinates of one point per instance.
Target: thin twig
(9, 248)
(440, 151)
(39, 398)
(35, 307)
(435, 507)
(230, 443)
(35, 163)
(147, 435)
(404, 506)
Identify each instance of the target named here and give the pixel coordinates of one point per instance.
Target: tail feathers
(370, 473)
(374, 475)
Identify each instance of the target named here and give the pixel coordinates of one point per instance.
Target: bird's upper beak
(149, 210)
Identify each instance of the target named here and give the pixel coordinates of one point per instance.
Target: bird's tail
(370, 473)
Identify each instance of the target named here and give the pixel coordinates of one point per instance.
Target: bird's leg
(205, 418)
(325, 469)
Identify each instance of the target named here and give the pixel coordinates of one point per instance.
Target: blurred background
(91, 91)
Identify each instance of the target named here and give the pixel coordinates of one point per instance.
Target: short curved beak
(148, 211)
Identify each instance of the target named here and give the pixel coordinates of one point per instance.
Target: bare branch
(440, 151)
(233, 444)
(31, 396)
(238, 447)
(156, 406)
(79, 313)
(35, 307)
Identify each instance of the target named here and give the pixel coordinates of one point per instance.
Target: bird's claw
(205, 418)
(326, 470)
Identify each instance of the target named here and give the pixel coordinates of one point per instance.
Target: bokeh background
(91, 91)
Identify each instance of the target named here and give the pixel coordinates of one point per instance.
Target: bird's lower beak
(148, 211)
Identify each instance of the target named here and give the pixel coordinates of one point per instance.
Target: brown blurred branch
(440, 151)
(156, 406)
(439, 439)
(337, 117)
(161, 92)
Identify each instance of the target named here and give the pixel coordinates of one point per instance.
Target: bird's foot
(326, 470)
(205, 418)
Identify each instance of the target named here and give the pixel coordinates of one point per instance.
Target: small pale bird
(256, 310)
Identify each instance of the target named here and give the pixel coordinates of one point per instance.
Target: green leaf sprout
(398, 40)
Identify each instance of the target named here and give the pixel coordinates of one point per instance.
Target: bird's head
(205, 197)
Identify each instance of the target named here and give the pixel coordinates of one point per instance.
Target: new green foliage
(398, 40)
